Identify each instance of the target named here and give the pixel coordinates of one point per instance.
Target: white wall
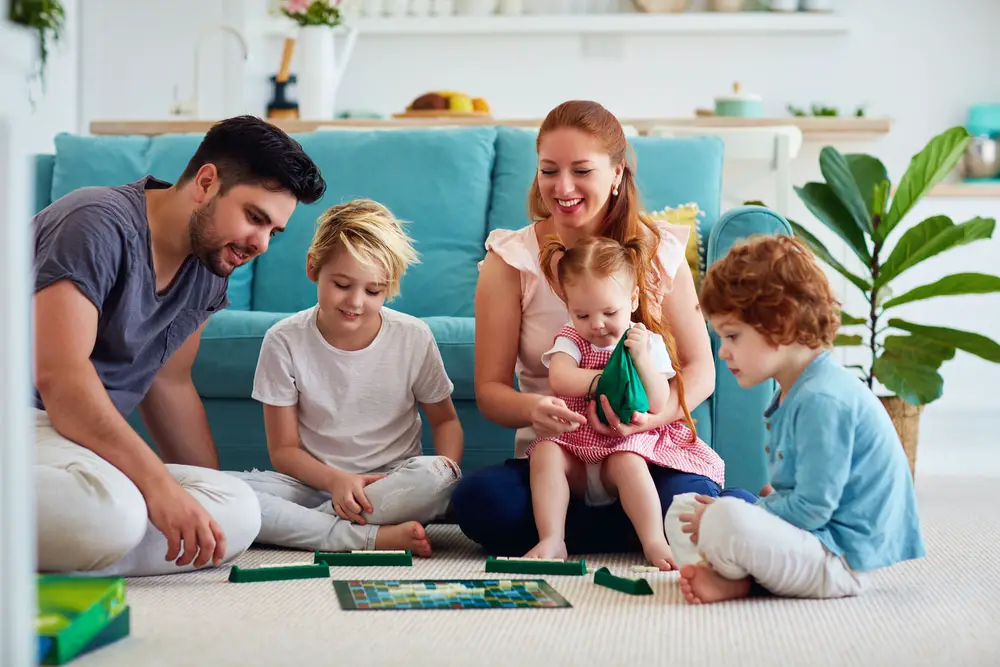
(922, 64)
(57, 104)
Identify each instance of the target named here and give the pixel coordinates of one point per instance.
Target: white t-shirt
(358, 409)
(657, 350)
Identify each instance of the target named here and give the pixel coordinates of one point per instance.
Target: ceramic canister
(739, 104)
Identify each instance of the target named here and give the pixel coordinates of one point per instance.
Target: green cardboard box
(73, 610)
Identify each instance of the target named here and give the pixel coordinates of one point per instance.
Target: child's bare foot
(659, 555)
(701, 585)
(551, 548)
(409, 536)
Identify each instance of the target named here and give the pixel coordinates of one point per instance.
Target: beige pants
(739, 540)
(298, 516)
(92, 518)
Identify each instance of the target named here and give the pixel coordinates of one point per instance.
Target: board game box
(383, 594)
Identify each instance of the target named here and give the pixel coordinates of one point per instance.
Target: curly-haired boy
(840, 501)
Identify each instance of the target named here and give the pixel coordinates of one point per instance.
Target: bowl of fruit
(446, 103)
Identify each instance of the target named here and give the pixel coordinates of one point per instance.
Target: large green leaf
(847, 320)
(926, 170)
(821, 200)
(846, 340)
(914, 383)
(871, 178)
(973, 343)
(820, 251)
(918, 350)
(840, 178)
(931, 237)
(953, 285)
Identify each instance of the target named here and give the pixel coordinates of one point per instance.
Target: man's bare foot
(701, 585)
(659, 555)
(409, 536)
(551, 548)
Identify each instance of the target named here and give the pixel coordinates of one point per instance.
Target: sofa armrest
(738, 414)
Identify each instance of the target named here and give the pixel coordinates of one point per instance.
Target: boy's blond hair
(371, 233)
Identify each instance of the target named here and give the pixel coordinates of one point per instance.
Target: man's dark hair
(249, 151)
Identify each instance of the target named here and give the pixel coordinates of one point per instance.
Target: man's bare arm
(75, 399)
(174, 414)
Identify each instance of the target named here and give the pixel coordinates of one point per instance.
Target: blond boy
(341, 383)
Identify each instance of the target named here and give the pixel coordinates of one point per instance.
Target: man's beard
(205, 245)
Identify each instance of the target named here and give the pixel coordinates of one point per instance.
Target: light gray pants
(92, 518)
(298, 516)
(739, 539)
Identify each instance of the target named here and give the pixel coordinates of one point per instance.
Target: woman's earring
(615, 191)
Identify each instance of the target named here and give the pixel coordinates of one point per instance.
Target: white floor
(956, 443)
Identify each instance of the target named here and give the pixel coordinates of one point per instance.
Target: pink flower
(297, 6)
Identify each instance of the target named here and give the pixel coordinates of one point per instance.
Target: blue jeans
(492, 506)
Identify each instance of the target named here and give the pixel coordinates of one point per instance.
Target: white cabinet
(17, 503)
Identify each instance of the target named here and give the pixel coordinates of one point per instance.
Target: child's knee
(726, 522)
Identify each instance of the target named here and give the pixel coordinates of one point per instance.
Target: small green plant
(854, 203)
(314, 12)
(822, 110)
(47, 18)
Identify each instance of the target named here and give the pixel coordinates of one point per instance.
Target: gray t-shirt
(98, 237)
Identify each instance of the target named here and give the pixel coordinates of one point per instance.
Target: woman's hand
(550, 417)
(637, 341)
(615, 427)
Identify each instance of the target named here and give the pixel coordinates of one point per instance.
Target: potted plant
(47, 18)
(854, 202)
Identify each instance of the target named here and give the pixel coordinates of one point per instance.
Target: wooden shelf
(705, 23)
(989, 189)
(814, 129)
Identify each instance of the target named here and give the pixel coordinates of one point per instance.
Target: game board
(382, 594)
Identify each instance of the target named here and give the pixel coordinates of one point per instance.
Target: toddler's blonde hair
(371, 233)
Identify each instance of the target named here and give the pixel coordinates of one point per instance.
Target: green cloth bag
(620, 382)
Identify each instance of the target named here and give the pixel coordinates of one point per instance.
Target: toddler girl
(599, 281)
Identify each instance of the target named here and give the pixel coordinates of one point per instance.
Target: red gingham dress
(671, 446)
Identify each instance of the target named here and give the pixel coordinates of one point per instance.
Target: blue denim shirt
(839, 471)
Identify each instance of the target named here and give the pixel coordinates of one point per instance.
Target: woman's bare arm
(498, 329)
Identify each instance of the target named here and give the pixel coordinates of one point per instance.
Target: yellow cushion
(686, 214)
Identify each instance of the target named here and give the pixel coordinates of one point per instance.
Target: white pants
(298, 516)
(93, 519)
(739, 540)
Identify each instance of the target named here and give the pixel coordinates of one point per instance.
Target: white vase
(320, 69)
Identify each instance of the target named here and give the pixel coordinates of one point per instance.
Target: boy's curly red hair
(774, 284)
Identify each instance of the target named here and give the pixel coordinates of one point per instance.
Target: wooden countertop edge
(812, 127)
(989, 190)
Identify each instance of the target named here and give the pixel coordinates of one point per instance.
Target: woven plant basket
(906, 420)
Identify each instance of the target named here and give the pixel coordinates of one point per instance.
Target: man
(125, 278)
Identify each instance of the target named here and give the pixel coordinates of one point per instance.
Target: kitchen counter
(813, 128)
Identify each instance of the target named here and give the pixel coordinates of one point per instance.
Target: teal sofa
(453, 186)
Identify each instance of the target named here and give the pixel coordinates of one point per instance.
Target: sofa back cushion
(670, 172)
(115, 160)
(436, 180)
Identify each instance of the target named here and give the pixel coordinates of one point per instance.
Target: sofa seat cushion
(436, 180)
(230, 346)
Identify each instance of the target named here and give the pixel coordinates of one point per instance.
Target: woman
(584, 187)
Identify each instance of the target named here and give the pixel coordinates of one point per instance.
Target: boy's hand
(637, 341)
(692, 522)
(766, 490)
(348, 496)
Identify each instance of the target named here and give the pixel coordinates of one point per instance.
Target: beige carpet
(942, 609)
